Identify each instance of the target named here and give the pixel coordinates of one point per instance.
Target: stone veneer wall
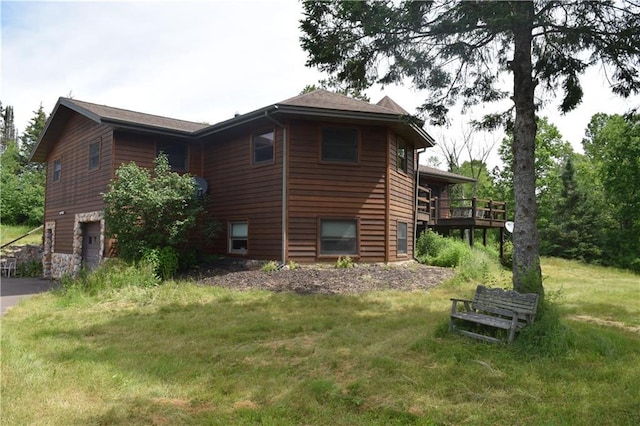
(56, 265)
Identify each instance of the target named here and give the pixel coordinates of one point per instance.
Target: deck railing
(432, 209)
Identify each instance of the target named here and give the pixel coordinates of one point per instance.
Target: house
(308, 179)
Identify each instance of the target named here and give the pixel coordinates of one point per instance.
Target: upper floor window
(338, 236)
(94, 155)
(176, 154)
(402, 156)
(263, 147)
(57, 169)
(339, 144)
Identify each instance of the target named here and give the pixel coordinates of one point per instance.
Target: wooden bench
(497, 308)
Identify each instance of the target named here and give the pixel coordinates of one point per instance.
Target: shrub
(269, 266)
(344, 262)
(33, 268)
(164, 261)
(507, 254)
(429, 243)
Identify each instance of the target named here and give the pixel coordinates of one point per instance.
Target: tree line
(21, 181)
(588, 203)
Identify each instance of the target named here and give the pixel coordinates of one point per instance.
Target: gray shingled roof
(103, 113)
(329, 100)
(444, 175)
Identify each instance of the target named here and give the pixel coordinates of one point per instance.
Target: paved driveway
(13, 290)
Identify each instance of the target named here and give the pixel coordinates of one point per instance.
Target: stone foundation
(64, 264)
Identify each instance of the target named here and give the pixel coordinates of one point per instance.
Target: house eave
(426, 141)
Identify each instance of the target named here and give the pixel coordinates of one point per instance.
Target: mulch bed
(323, 279)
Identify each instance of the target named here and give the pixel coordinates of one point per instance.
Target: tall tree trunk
(527, 276)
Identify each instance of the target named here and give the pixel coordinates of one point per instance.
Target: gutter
(415, 206)
(285, 203)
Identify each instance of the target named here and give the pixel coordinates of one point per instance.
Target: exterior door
(91, 245)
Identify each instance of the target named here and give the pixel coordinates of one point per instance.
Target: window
(339, 144)
(263, 147)
(176, 154)
(94, 155)
(57, 169)
(338, 237)
(402, 156)
(402, 238)
(238, 237)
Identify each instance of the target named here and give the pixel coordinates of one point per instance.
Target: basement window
(338, 237)
(402, 238)
(238, 237)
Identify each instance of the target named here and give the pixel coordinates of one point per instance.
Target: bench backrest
(504, 302)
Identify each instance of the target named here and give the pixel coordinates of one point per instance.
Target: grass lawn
(184, 354)
(10, 232)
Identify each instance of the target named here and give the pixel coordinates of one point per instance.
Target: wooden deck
(460, 212)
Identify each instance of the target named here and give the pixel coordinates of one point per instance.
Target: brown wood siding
(241, 191)
(322, 190)
(79, 189)
(401, 199)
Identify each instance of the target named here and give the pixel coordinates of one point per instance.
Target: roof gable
(322, 98)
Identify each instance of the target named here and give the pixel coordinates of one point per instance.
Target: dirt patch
(324, 279)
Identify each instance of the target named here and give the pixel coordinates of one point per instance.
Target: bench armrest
(454, 305)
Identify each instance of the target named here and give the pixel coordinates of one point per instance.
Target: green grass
(10, 232)
(185, 354)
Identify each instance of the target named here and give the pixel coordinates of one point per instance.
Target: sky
(201, 61)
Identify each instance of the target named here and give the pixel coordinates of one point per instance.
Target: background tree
(613, 147)
(30, 136)
(146, 211)
(461, 50)
(21, 185)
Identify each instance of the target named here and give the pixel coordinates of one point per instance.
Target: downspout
(415, 196)
(284, 184)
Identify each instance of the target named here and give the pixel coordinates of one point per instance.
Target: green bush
(32, 268)
(344, 262)
(507, 254)
(269, 266)
(429, 243)
(164, 261)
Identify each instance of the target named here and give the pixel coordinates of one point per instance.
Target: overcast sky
(200, 61)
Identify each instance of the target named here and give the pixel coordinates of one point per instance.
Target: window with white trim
(338, 237)
(238, 237)
(339, 144)
(263, 147)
